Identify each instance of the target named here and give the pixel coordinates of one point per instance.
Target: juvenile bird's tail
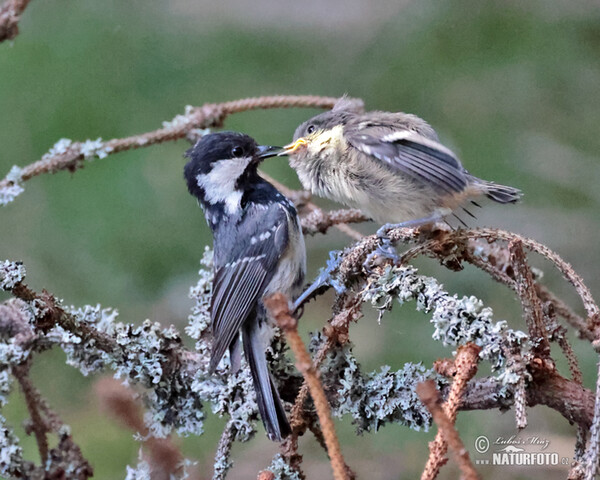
(269, 404)
(498, 193)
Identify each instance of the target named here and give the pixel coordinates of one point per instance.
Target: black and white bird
(258, 250)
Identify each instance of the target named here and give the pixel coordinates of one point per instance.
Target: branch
(447, 435)
(165, 458)
(32, 399)
(532, 306)
(53, 314)
(465, 367)
(278, 307)
(574, 402)
(67, 155)
(10, 14)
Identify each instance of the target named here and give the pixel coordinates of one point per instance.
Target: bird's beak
(292, 147)
(266, 151)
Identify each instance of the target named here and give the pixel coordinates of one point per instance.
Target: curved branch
(67, 155)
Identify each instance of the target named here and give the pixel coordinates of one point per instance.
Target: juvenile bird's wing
(239, 283)
(415, 155)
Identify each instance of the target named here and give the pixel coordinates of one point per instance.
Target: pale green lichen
(13, 185)
(91, 149)
(11, 454)
(282, 470)
(457, 321)
(11, 274)
(375, 398)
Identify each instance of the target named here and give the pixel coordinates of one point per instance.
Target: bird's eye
(237, 151)
(310, 129)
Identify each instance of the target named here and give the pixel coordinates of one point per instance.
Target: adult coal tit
(258, 250)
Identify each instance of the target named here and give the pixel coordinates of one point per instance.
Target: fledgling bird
(258, 250)
(391, 166)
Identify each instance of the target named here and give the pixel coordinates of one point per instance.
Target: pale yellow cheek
(329, 139)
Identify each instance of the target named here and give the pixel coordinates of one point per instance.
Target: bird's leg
(382, 251)
(320, 282)
(386, 250)
(324, 280)
(419, 222)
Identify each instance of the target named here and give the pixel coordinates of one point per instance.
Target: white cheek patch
(219, 183)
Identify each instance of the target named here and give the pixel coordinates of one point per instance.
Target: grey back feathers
(389, 165)
(258, 249)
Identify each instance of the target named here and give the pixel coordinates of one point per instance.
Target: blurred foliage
(513, 88)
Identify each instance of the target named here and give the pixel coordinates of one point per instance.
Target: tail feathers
(269, 404)
(498, 193)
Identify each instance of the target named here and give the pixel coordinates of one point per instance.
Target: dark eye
(310, 129)
(237, 151)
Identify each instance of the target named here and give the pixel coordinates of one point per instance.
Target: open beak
(292, 147)
(266, 151)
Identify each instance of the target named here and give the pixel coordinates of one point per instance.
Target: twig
(562, 309)
(32, 399)
(277, 305)
(570, 275)
(222, 456)
(530, 302)
(10, 14)
(448, 242)
(319, 221)
(574, 402)
(70, 156)
(466, 368)
(431, 398)
(54, 314)
(165, 457)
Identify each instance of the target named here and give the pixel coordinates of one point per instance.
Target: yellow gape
(292, 147)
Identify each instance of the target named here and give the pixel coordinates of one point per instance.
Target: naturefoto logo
(515, 450)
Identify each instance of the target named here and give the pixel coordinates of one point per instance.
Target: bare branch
(574, 402)
(39, 427)
(120, 402)
(465, 368)
(278, 306)
(67, 155)
(532, 307)
(447, 433)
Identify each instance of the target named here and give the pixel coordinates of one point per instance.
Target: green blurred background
(512, 87)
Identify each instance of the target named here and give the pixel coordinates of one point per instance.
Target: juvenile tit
(258, 250)
(391, 166)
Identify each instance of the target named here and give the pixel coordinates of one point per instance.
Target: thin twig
(466, 368)
(530, 302)
(71, 156)
(576, 321)
(165, 458)
(223, 453)
(10, 14)
(32, 396)
(431, 398)
(565, 268)
(278, 306)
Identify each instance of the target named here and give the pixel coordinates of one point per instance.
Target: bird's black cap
(218, 146)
